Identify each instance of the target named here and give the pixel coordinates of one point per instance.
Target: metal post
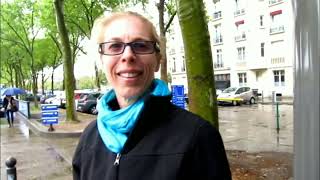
(11, 169)
(278, 117)
(51, 128)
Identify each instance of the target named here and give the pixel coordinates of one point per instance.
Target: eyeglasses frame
(155, 49)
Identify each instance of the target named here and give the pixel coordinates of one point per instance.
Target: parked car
(58, 99)
(53, 100)
(43, 98)
(30, 97)
(236, 96)
(95, 112)
(88, 102)
(221, 85)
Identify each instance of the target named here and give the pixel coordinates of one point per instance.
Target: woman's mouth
(129, 74)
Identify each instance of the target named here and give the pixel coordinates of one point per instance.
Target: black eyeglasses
(138, 47)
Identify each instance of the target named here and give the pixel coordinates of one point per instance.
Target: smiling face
(128, 73)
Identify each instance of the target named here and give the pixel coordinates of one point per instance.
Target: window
(241, 53)
(239, 7)
(277, 48)
(174, 65)
(276, 22)
(219, 62)
(217, 34)
(279, 79)
(242, 79)
(222, 77)
(261, 21)
(262, 50)
(183, 67)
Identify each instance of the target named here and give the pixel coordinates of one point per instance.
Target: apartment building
(251, 43)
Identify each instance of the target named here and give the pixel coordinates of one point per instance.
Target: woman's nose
(128, 54)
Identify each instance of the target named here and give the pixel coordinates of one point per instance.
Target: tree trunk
(202, 95)
(42, 81)
(52, 76)
(67, 63)
(34, 89)
(163, 61)
(97, 76)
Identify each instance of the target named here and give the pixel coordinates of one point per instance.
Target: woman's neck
(125, 102)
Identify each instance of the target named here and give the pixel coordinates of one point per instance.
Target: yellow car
(236, 96)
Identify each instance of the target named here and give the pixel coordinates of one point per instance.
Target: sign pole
(51, 128)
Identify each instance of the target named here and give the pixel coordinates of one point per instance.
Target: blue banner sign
(49, 114)
(178, 98)
(49, 107)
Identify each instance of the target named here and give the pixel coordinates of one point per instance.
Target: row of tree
(36, 35)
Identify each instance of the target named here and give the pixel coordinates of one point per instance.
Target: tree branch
(170, 21)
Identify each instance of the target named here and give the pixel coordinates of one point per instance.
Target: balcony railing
(218, 40)
(240, 37)
(172, 52)
(277, 60)
(218, 65)
(217, 15)
(239, 12)
(277, 29)
(271, 2)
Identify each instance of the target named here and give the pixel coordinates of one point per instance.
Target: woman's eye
(140, 45)
(115, 46)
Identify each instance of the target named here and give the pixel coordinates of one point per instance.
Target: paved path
(250, 128)
(253, 128)
(36, 159)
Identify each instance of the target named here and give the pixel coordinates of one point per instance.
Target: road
(253, 128)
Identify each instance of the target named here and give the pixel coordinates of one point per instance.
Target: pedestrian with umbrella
(10, 104)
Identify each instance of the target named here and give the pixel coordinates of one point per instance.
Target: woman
(8, 104)
(139, 134)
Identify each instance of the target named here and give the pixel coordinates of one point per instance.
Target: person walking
(9, 105)
(139, 134)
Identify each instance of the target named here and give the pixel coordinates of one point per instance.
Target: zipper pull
(117, 160)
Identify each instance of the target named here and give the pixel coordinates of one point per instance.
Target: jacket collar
(154, 113)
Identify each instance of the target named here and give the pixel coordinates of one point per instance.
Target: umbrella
(13, 91)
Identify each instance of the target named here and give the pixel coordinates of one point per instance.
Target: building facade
(251, 43)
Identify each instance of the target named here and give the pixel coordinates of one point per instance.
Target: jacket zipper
(117, 160)
(116, 164)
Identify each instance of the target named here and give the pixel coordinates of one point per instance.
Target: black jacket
(5, 102)
(167, 143)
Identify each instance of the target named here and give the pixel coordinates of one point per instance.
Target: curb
(271, 103)
(41, 131)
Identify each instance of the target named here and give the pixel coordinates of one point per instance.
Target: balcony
(239, 12)
(181, 49)
(218, 65)
(273, 2)
(258, 64)
(172, 52)
(277, 29)
(217, 15)
(241, 65)
(240, 37)
(277, 61)
(217, 40)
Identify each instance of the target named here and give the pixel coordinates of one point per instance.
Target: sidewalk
(280, 100)
(66, 135)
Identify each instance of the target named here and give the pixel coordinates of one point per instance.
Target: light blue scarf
(114, 126)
